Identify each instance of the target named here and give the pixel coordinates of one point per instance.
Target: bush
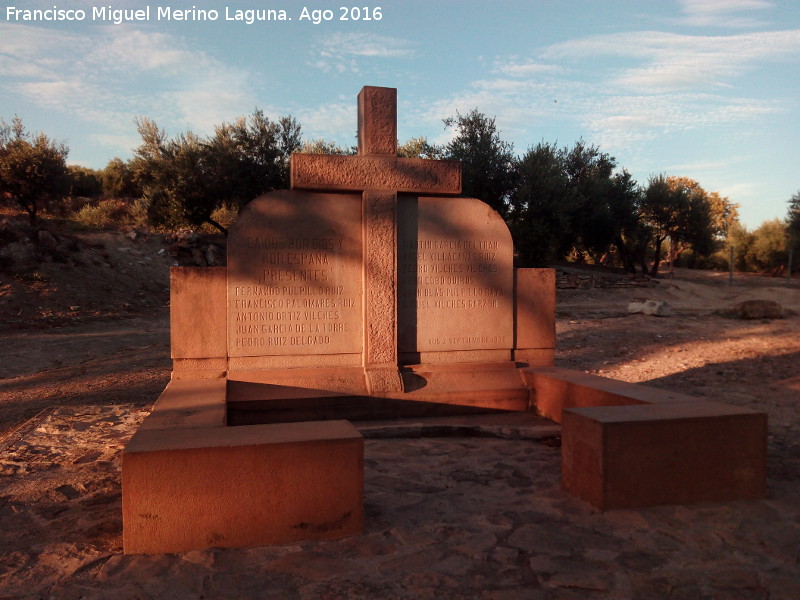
(118, 180)
(101, 216)
(33, 168)
(769, 249)
(138, 212)
(689, 259)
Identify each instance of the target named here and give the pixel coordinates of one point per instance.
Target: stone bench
(554, 389)
(626, 445)
(190, 482)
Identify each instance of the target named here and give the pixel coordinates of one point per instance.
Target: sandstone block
(535, 314)
(186, 489)
(455, 276)
(197, 312)
(681, 453)
(377, 120)
(295, 276)
(328, 172)
(189, 403)
(555, 389)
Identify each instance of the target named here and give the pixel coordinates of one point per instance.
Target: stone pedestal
(232, 487)
(625, 445)
(682, 453)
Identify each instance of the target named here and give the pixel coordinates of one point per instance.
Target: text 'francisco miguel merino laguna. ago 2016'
(117, 16)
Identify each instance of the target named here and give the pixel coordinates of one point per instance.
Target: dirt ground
(470, 517)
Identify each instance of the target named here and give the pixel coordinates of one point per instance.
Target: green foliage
(119, 180)
(591, 176)
(85, 182)
(768, 251)
(763, 250)
(542, 207)
(661, 211)
(33, 168)
(724, 215)
(105, 214)
(558, 202)
(632, 233)
(225, 215)
(741, 240)
(680, 210)
(138, 212)
(322, 146)
(570, 201)
(487, 162)
(185, 179)
(793, 227)
(419, 147)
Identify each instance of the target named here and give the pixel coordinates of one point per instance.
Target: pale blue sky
(706, 89)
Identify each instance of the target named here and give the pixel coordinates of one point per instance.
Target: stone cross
(379, 174)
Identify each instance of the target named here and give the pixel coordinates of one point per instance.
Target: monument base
(488, 385)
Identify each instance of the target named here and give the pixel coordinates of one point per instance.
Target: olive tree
(487, 162)
(33, 168)
(186, 178)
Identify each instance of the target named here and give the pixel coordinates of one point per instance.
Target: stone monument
(371, 290)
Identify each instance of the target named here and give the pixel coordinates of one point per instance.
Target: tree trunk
(31, 214)
(657, 257)
(625, 256)
(218, 226)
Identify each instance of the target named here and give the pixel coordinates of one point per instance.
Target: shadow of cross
(379, 174)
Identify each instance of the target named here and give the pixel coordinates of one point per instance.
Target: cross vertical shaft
(377, 135)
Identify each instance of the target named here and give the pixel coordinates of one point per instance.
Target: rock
(187, 236)
(756, 309)
(214, 256)
(506, 557)
(657, 308)
(20, 257)
(132, 235)
(199, 259)
(46, 239)
(68, 491)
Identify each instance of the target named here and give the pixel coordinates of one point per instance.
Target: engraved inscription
(455, 276)
(279, 310)
(294, 276)
(448, 274)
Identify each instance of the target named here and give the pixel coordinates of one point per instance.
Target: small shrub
(105, 214)
(137, 212)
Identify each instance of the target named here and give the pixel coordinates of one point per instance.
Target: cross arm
(375, 172)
